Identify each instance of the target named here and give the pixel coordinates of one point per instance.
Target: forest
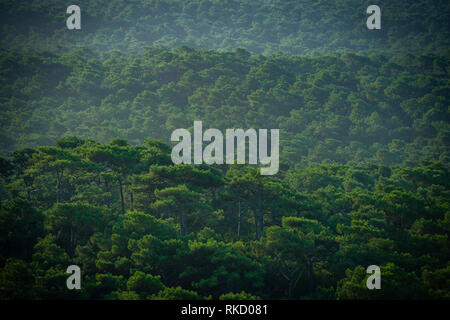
(140, 227)
(345, 108)
(86, 176)
(305, 27)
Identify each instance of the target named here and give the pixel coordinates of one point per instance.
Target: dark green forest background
(86, 176)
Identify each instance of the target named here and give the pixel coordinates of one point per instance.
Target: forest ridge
(344, 108)
(307, 27)
(86, 176)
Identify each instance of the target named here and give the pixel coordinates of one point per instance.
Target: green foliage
(176, 294)
(15, 279)
(307, 233)
(343, 108)
(396, 284)
(20, 226)
(86, 175)
(294, 27)
(238, 296)
(144, 283)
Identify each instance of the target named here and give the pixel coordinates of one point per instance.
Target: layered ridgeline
(364, 145)
(342, 108)
(292, 27)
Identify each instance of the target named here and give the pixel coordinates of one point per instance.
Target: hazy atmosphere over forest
(87, 178)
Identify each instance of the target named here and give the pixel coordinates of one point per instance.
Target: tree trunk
(292, 282)
(255, 216)
(28, 185)
(239, 219)
(260, 215)
(121, 196)
(108, 201)
(131, 200)
(233, 221)
(291, 289)
(58, 185)
(182, 223)
(58, 196)
(71, 249)
(310, 277)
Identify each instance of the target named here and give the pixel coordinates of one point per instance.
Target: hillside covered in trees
(306, 27)
(86, 175)
(344, 108)
(142, 228)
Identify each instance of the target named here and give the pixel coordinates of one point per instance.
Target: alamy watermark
(73, 22)
(374, 20)
(374, 280)
(213, 153)
(74, 280)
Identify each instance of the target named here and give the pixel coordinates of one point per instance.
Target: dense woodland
(140, 227)
(345, 108)
(312, 27)
(86, 176)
